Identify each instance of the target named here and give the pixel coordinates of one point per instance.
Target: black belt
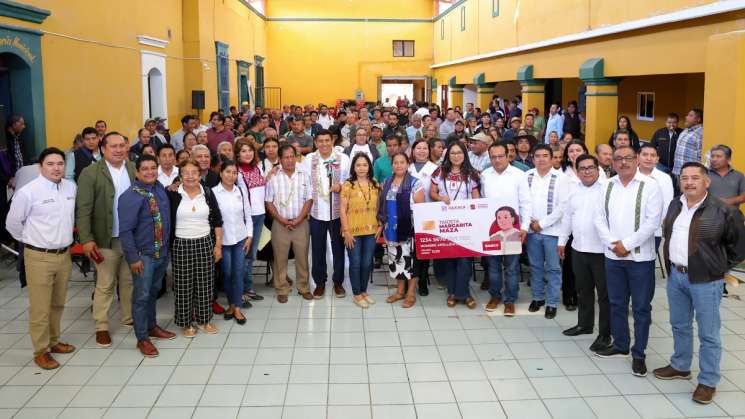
(53, 251)
(681, 269)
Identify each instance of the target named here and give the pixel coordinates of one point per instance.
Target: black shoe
(246, 304)
(228, 316)
(571, 307)
(577, 330)
(611, 352)
(639, 368)
(601, 342)
(423, 291)
(550, 312)
(536, 305)
(240, 321)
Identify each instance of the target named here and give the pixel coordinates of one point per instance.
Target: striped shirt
(688, 147)
(288, 193)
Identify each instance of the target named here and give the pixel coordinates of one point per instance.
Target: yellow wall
(97, 75)
(673, 93)
(317, 60)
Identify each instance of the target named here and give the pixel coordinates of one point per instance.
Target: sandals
(395, 297)
(409, 301)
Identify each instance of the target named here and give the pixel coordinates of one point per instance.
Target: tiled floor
(329, 359)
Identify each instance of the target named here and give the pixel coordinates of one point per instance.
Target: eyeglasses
(628, 159)
(587, 168)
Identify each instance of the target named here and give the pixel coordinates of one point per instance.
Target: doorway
(155, 93)
(414, 88)
(15, 97)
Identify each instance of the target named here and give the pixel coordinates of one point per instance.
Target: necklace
(286, 202)
(329, 164)
(366, 197)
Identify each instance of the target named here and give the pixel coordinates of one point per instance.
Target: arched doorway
(155, 93)
(15, 93)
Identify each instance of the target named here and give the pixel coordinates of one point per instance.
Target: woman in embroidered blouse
(251, 179)
(359, 225)
(196, 239)
(456, 180)
(399, 192)
(422, 169)
(237, 234)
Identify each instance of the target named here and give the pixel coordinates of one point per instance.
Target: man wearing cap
(477, 154)
(525, 143)
(512, 131)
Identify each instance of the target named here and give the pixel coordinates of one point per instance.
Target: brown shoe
(62, 348)
(281, 298)
(46, 362)
(493, 304)
(147, 349)
(670, 373)
(159, 333)
(103, 339)
(339, 291)
(452, 301)
(306, 295)
(704, 394)
(509, 309)
(470, 303)
(319, 291)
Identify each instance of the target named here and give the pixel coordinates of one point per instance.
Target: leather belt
(681, 269)
(53, 251)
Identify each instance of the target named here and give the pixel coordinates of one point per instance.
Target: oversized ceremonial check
(473, 227)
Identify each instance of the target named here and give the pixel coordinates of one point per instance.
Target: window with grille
(223, 75)
(645, 106)
(403, 48)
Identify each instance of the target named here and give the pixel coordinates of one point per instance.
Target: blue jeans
(457, 272)
(144, 292)
(628, 279)
(703, 298)
(361, 262)
(232, 272)
(545, 268)
(248, 264)
(318, 231)
(512, 272)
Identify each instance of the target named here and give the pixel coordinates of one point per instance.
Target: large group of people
(343, 183)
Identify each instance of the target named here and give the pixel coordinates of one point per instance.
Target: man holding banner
(506, 186)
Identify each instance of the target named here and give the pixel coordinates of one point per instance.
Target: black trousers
(568, 285)
(589, 270)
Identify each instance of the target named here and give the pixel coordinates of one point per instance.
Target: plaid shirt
(288, 194)
(688, 147)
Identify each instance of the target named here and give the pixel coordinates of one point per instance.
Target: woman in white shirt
(196, 241)
(237, 235)
(422, 169)
(252, 180)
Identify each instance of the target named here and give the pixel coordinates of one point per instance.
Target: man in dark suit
(665, 139)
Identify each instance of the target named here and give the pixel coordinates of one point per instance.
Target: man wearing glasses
(628, 213)
(588, 261)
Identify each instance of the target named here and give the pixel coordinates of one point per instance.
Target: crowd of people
(202, 198)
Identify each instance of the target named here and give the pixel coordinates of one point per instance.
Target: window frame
(403, 43)
(494, 8)
(463, 18)
(645, 95)
(442, 29)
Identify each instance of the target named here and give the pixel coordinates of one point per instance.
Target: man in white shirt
(288, 202)
(325, 120)
(508, 187)
(477, 154)
(188, 124)
(42, 216)
(555, 123)
(97, 218)
(447, 127)
(626, 218)
(588, 260)
(648, 159)
(167, 171)
(328, 169)
(548, 193)
(415, 131)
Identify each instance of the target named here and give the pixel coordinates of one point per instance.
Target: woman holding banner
(422, 168)
(399, 193)
(456, 180)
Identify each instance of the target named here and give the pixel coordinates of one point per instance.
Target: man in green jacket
(97, 220)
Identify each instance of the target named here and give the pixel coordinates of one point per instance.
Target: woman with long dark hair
(359, 225)
(399, 193)
(456, 180)
(625, 123)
